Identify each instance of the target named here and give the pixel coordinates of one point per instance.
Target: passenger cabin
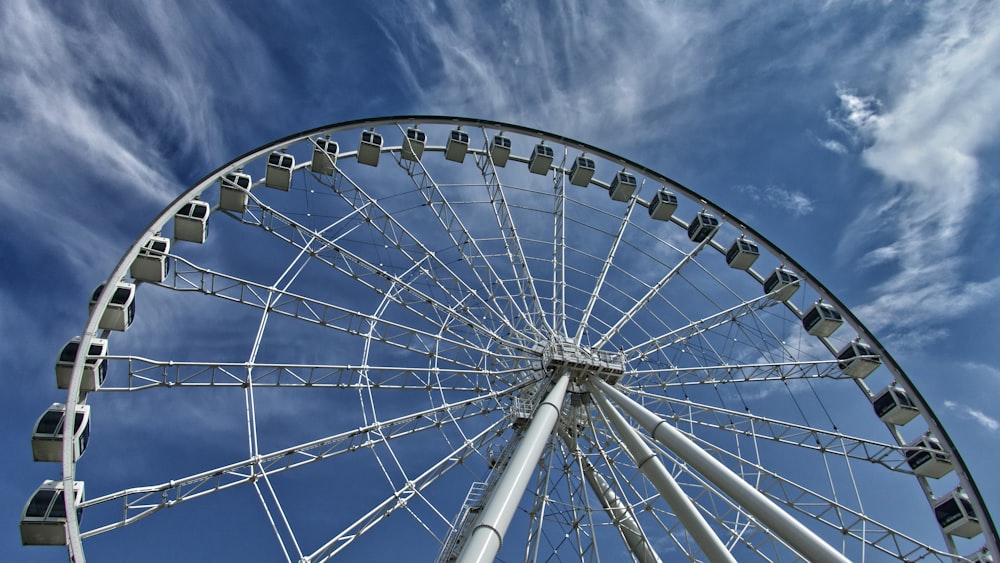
(152, 263)
(279, 171)
(369, 148)
(894, 406)
(926, 457)
(46, 440)
(324, 156)
(95, 368)
(500, 150)
(781, 284)
(742, 254)
(233, 190)
(458, 145)
(821, 320)
(43, 521)
(582, 171)
(541, 159)
(191, 221)
(413, 144)
(702, 227)
(622, 186)
(955, 515)
(663, 205)
(858, 360)
(120, 311)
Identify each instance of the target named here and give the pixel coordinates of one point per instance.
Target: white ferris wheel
(434, 338)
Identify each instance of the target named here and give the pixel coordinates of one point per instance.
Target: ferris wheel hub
(562, 354)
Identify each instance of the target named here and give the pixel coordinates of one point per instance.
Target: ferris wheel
(443, 339)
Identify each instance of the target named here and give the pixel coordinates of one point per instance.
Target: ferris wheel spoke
(355, 323)
(461, 237)
(140, 502)
(145, 373)
(374, 277)
(699, 327)
(694, 414)
(666, 377)
(401, 496)
(399, 237)
(652, 291)
(513, 247)
(605, 268)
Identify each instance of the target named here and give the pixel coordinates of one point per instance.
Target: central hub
(563, 355)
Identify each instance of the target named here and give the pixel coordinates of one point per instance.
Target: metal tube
(620, 513)
(487, 536)
(654, 470)
(791, 531)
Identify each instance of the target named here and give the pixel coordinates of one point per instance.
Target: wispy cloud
(793, 201)
(112, 101)
(926, 142)
(531, 68)
(981, 418)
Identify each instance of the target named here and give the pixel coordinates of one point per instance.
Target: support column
(791, 531)
(654, 470)
(487, 536)
(620, 513)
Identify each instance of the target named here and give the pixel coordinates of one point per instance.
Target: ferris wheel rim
(121, 270)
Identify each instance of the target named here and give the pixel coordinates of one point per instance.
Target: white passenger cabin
(120, 311)
(622, 186)
(821, 320)
(894, 406)
(458, 145)
(742, 254)
(152, 264)
(955, 515)
(413, 144)
(663, 205)
(324, 156)
(926, 457)
(369, 148)
(279, 171)
(782, 283)
(541, 159)
(233, 190)
(43, 521)
(702, 227)
(500, 150)
(191, 221)
(46, 440)
(95, 368)
(858, 360)
(582, 171)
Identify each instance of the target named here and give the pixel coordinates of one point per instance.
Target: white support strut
(654, 470)
(487, 536)
(620, 512)
(791, 531)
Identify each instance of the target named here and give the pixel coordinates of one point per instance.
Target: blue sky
(860, 137)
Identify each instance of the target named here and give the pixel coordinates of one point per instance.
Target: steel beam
(810, 546)
(620, 513)
(654, 470)
(487, 536)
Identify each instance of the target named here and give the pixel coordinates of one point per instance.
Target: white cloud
(926, 141)
(790, 200)
(832, 145)
(565, 66)
(983, 419)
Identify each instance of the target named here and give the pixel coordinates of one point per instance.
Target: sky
(862, 138)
